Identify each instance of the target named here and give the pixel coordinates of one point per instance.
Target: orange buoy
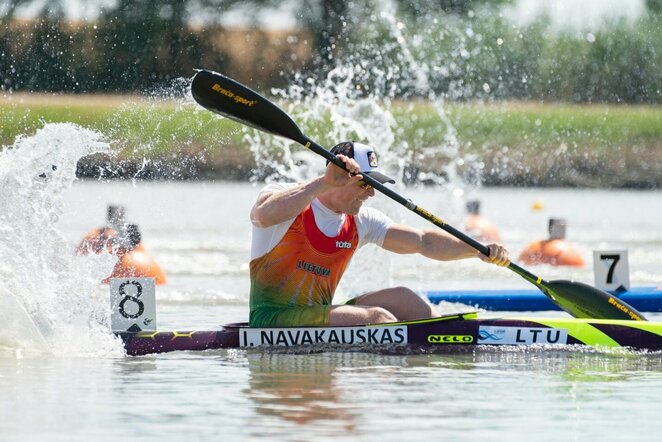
(554, 251)
(478, 227)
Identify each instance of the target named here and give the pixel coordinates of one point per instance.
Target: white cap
(365, 156)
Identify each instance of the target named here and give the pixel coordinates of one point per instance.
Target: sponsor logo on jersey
(313, 268)
(343, 245)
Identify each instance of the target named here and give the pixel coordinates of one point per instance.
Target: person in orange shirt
(124, 240)
(133, 261)
(555, 250)
(478, 227)
(98, 240)
(304, 236)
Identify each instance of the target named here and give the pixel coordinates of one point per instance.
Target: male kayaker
(304, 236)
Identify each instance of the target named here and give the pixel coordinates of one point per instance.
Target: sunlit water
(63, 377)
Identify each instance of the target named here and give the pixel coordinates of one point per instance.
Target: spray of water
(567, 15)
(49, 297)
(360, 99)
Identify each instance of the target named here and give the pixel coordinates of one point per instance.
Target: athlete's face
(353, 197)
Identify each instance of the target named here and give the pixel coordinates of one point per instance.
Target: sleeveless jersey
(305, 267)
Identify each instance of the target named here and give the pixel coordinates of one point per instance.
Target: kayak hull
(448, 333)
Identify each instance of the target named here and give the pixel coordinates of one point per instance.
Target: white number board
(611, 269)
(132, 304)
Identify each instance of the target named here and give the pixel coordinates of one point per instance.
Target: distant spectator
(98, 240)
(478, 227)
(124, 240)
(555, 250)
(134, 262)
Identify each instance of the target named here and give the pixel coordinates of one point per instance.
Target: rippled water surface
(85, 389)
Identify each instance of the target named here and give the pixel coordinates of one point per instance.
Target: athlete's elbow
(259, 218)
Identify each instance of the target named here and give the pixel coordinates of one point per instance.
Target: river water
(60, 385)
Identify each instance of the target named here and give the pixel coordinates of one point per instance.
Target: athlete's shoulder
(275, 187)
(370, 213)
(372, 225)
(372, 219)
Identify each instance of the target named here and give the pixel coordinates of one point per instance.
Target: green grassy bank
(516, 143)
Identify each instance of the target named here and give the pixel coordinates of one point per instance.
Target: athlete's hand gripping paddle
(233, 100)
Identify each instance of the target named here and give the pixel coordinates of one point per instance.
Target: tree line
(141, 45)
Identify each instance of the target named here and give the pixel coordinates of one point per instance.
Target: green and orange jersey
(296, 265)
(302, 270)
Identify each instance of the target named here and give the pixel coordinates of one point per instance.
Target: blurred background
(530, 110)
(519, 92)
(597, 51)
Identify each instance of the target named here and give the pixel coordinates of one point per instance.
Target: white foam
(51, 299)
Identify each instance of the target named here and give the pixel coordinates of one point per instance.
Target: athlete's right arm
(276, 207)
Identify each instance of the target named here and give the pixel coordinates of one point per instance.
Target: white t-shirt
(371, 224)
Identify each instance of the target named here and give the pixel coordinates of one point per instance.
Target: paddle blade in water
(233, 100)
(584, 301)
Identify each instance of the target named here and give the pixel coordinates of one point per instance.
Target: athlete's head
(365, 156)
(349, 199)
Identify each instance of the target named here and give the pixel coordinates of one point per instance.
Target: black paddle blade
(233, 100)
(226, 97)
(584, 301)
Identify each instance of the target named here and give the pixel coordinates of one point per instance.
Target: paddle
(233, 100)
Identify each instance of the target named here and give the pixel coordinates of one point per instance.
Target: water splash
(565, 14)
(361, 99)
(49, 294)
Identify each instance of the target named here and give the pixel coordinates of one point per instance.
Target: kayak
(448, 333)
(645, 299)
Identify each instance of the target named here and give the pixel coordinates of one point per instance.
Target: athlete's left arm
(437, 244)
